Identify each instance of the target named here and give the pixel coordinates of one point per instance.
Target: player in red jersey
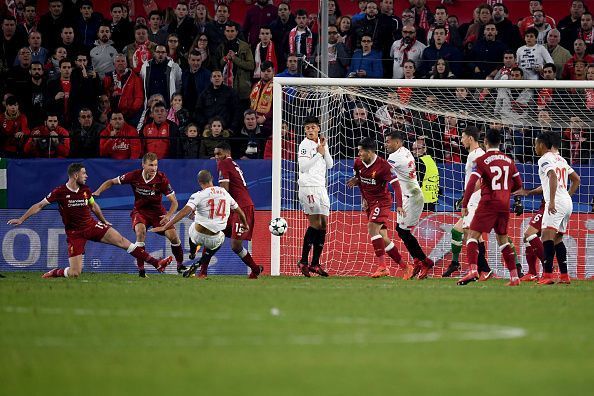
(499, 178)
(534, 245)
(372, 175)
(231, 179)
(149, 185)
(75, 203)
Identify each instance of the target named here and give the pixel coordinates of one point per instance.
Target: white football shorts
(473, 202)
(314, 200)
(560, 220)
(413, 207)
(208, 241)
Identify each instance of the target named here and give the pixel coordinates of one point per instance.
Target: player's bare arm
(225, 185)
(172, 209)
(95, 208)
(523, 192)
(553, 190)
(242, 218)
(186, 210)
(35, 208)
(353, 181)
(106, 184)
(575, 180)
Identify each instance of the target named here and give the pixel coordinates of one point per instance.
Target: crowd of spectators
(76, 83)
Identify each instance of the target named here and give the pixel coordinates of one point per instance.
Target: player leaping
(470, 140)
(149, 185)
(372, 175)
(499, 178)
(75, 203)
(534, 245)
(212, 207)
(314, 161)
(403, 164)
(231, 179)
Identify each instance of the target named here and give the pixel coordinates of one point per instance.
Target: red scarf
(293, 42)
(423, 20)
(405, 49)
(141, 54)
(589, 99)
(118, 82)
(270, 56)
(545, 96)
(228, 72)
(261, 97)
(587, 37)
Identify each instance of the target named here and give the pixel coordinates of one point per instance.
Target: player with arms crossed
(212, 207)
(403, 165)
(314, 161)
(534, 247)
(231, 179)
(372, 175)
(470, 137)
(75, 203)
(149, 185)
(499, 178)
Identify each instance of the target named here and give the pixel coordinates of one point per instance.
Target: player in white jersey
(212, 207)
(553, 171)
(314, 161)
(470, 141)
(534, 246)
(410, 204)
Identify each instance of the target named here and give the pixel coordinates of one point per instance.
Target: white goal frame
(280, 82)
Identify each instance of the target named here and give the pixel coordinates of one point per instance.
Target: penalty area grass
(107, 334)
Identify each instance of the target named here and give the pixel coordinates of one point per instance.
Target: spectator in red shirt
(161, 136)
(579, 48)
(49, 140)
(14, 130)
(119, 140)
(124, 89)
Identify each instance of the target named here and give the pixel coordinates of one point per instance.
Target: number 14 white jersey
(212, 207)
(551, 161)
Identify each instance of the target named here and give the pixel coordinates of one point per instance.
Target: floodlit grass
(118, 334)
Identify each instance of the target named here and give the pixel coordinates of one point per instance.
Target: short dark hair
(472, 131)
(532, 31)
(311, 120)
(266, 65)
(368, 143)
(301, 12)
(65, 60)
(517, 69)
(509, 52)
(225, 146)
(11, 100)
(545, 138)
(74, 168)
(551, 65)
(395, 134)
(140, 27)
(249, 112)
(154, 12)
(158, 104)
(116, 5)
(231, 24)
(555, 139)
(493, 137)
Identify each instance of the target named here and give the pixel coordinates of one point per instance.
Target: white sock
(243, 253)
(66, 272)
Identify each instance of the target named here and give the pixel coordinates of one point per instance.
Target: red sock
(472, 251)
(394, 254)
(59, 273)
(139, 253)
(178, 253)
(510, 260)
(538, 247)
(246, 257)
(379, 247)
(531, 259)
(140, 262)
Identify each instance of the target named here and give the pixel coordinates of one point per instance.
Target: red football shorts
(536, 220)
(77, 239)
(485, 221)
(379, 213)
(234, 230)
(149, 219)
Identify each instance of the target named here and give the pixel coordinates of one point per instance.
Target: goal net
(432, 115)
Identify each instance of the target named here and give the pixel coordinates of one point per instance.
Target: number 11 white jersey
(551, 161)
(212, 207)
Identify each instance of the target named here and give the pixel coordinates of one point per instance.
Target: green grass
(118, 334)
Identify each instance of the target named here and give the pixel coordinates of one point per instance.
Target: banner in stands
(40, 245)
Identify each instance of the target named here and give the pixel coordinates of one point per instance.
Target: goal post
(431, 114)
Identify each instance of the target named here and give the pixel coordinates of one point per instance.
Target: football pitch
(165, 335)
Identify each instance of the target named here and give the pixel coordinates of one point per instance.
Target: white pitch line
(429, 331)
